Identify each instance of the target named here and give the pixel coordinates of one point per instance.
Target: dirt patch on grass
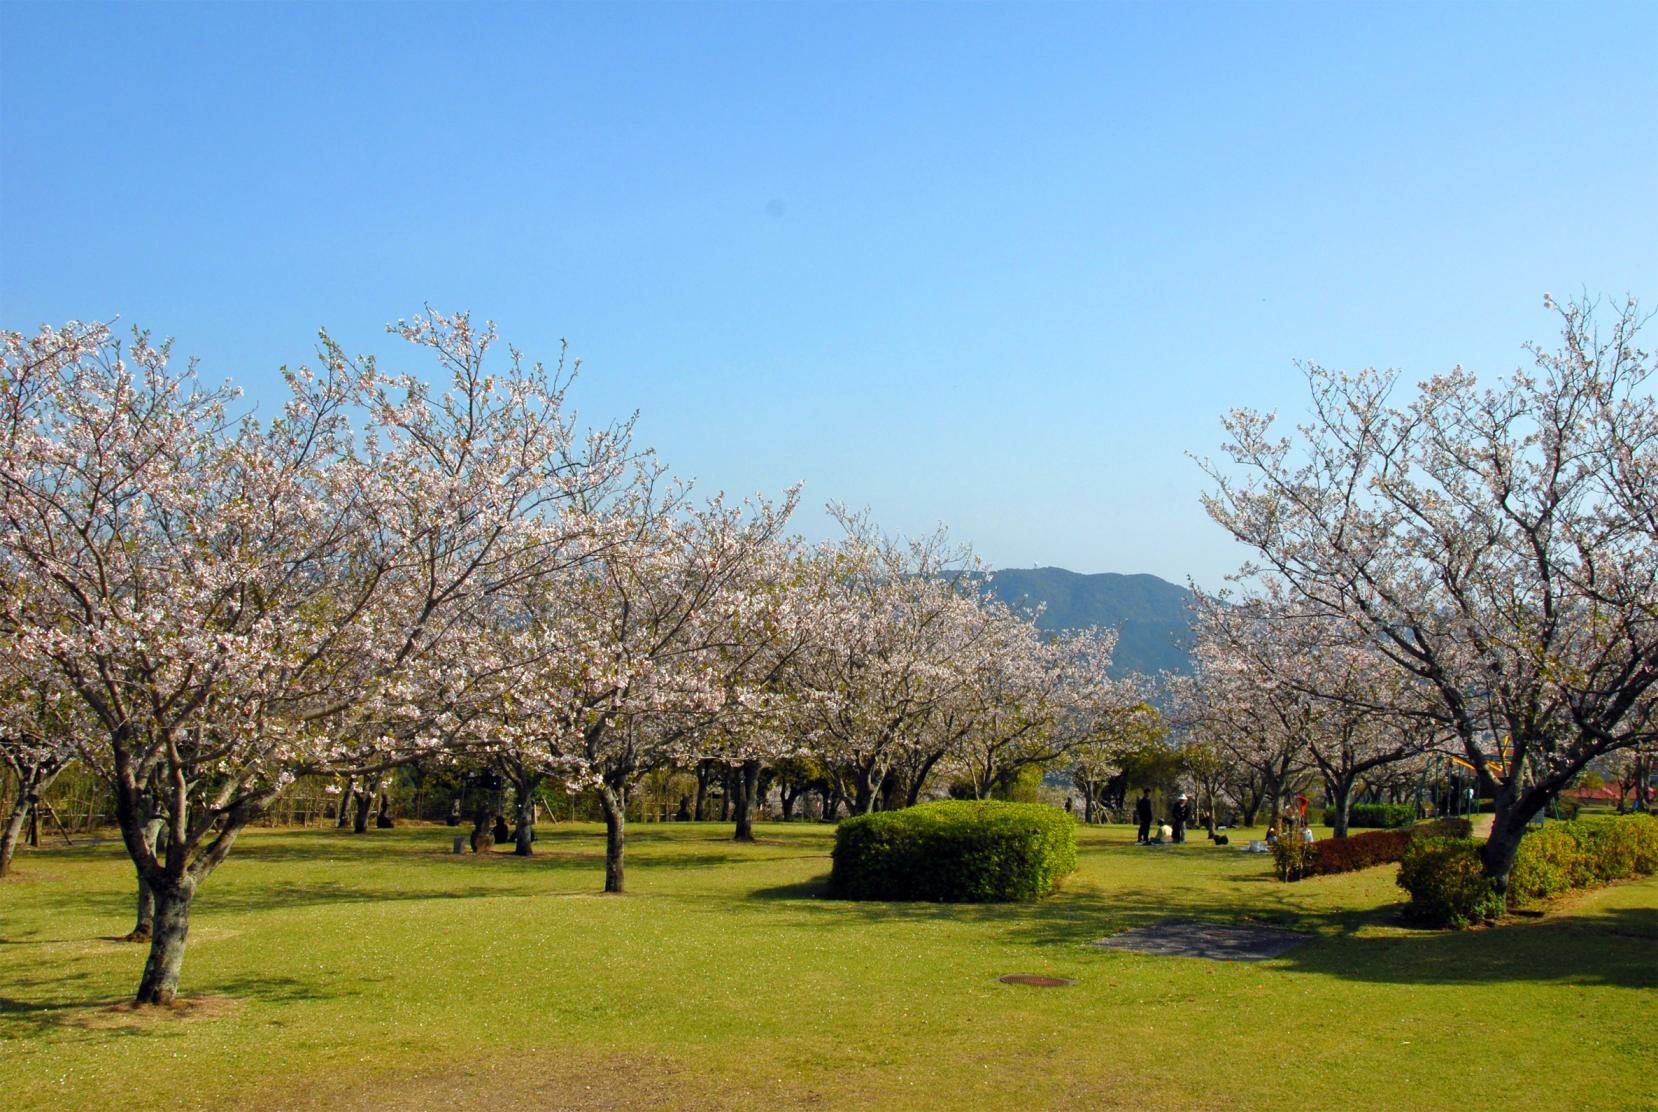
(127, 1016)
(28, 877)
(543, 1079)
(1192, 938)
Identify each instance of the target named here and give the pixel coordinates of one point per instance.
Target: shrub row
(1383, 815)
(1293, 860)
(1449, 889)
(954, 851)
(1582, 854)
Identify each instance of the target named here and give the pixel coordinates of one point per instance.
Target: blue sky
(996, 266)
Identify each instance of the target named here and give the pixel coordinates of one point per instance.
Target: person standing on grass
(1178, 819)
(1142, 815)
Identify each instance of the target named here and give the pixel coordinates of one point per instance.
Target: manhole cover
(1190, 938)
(1033, 979)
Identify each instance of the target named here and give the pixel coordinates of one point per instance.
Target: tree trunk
(383, 819)
(364, 801)
(1270, 796)
(702, 791)
(342, 819)
(615, 836)
(748, 783)
(913, 796)
(144, 924)
(1497, 855)
(14, 827)
(524, 835)
(891, 791)
(726, 796)
(172, 927)
(864, 800)
(1512, 813)
(1344, 805)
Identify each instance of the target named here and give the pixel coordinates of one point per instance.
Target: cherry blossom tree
(1344, 702)
(1258, 721)
(1031, 700)
(899, 620)
(237, 603)
(603, 672)
(38, 740)
(786, 595)
(1500, 545)
(1112, 739)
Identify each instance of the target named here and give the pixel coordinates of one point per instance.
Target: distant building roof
(1605, 794)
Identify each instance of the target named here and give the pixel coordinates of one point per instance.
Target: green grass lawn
(336, 971)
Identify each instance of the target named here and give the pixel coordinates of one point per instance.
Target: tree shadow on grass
(648, 860)
(1612, 947)
(280, 896)
(815, 889)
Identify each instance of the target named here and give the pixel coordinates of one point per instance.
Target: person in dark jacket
(1178, 819)
(1142, 815)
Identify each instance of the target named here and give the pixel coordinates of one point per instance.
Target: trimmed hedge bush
(1447, 888)
(954, 851)
(1386, 816)
(1582, 854)
(1293, 860)
(1446, 885)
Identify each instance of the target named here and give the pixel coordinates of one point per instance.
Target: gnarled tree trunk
(614, 801)
(523, 835)
(172, 928)
(143, 927)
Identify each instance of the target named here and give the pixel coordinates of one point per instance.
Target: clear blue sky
(995, 266)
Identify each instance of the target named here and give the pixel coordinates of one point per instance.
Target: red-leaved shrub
(1361, 851)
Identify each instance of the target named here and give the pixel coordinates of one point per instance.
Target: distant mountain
(1149, 614)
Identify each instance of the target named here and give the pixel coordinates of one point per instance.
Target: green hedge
(1446, 885)
(1447, 888)
(1581, 854)
(955, 851)
(1379, 815)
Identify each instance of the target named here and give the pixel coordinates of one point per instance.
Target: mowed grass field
(334, 971)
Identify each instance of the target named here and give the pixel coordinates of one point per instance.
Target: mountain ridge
(1151, 615)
